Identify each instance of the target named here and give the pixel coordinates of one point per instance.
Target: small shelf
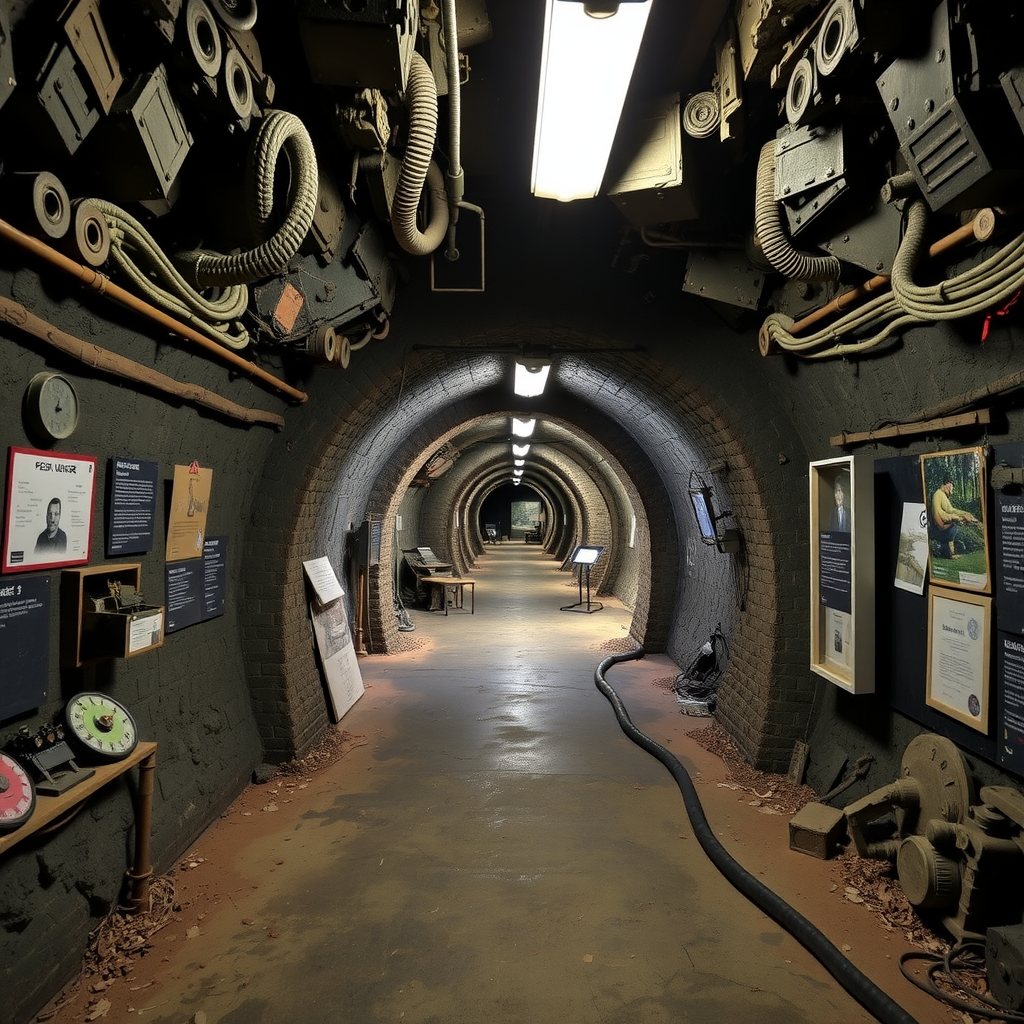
(88, 635)
(50, 808)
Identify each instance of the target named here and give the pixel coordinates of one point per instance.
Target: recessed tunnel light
(523, 428)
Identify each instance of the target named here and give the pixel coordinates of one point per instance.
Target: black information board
(132, 512)
(215, 558)
(1010, 706)
(835, 569)
(1008, 516)
(184, 594)
(196, 587)
(24, 644)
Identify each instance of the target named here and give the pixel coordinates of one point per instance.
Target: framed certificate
(842, 549)
(49, 509)
(959, 630)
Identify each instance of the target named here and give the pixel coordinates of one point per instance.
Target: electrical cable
(860, 987)
(947, 965)
(138, 256)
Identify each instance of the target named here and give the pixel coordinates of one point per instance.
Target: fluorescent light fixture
(520, 450)
(516, 481)
(519, 462)
(517, 472)
(586, 65)
(522, 428)
(531, 378)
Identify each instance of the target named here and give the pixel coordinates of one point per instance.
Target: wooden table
(456, 583)
(50, 809)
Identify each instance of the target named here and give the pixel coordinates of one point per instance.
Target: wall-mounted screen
(703, 510)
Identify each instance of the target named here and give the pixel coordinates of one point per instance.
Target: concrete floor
(492, 848)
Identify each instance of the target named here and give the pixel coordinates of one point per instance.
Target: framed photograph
(49, 509)
(959, 630)
(955, 495)
(842, 547)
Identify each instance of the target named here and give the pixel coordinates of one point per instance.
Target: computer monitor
(704, 510)
(586, 554)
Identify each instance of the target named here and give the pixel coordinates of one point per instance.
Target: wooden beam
(968, 419)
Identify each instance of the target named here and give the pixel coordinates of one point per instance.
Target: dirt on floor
(127, 953)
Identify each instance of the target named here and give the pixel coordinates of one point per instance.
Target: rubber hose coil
(701, 115)
(239, 15)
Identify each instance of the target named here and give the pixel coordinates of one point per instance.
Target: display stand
(584, 556)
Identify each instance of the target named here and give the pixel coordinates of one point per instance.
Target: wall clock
(101, 725)
(17, 794)
(51, 406)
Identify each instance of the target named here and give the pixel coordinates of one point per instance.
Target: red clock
(17, 794)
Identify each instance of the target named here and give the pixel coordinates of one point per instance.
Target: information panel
(215, 556)
(132, 506)
(184, 594)
(1009, 516)
(24, 644)
(1010, 745)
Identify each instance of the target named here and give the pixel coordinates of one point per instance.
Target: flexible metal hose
(278, 131)
(989, 283)
(138, 256)
(832, 959)
(986, 284)
(775, 242)
(421, 96)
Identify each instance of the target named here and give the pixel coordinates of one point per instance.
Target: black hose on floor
(872, 998)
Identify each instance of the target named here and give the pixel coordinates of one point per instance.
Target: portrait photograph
(954, 486)
(49, 509)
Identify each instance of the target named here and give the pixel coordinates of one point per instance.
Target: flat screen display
(585, 555)
(705, 518)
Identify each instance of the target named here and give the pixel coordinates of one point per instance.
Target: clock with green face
(17, 794)
(101, 725)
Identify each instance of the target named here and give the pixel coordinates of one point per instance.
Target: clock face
(52, 405)
(102, 725)
(17, 794)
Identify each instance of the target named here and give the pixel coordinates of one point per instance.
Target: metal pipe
(456, 182)
(98, 282)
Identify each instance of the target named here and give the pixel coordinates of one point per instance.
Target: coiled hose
(775, 243)
(137, 255)
(421, 95)
(857, 984)
(278, 131)
(989, 283)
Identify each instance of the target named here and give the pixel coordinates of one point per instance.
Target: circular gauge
(101, 725)
(51, 406)
(17, 794)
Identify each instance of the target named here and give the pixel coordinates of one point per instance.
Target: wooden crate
(88, 635)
